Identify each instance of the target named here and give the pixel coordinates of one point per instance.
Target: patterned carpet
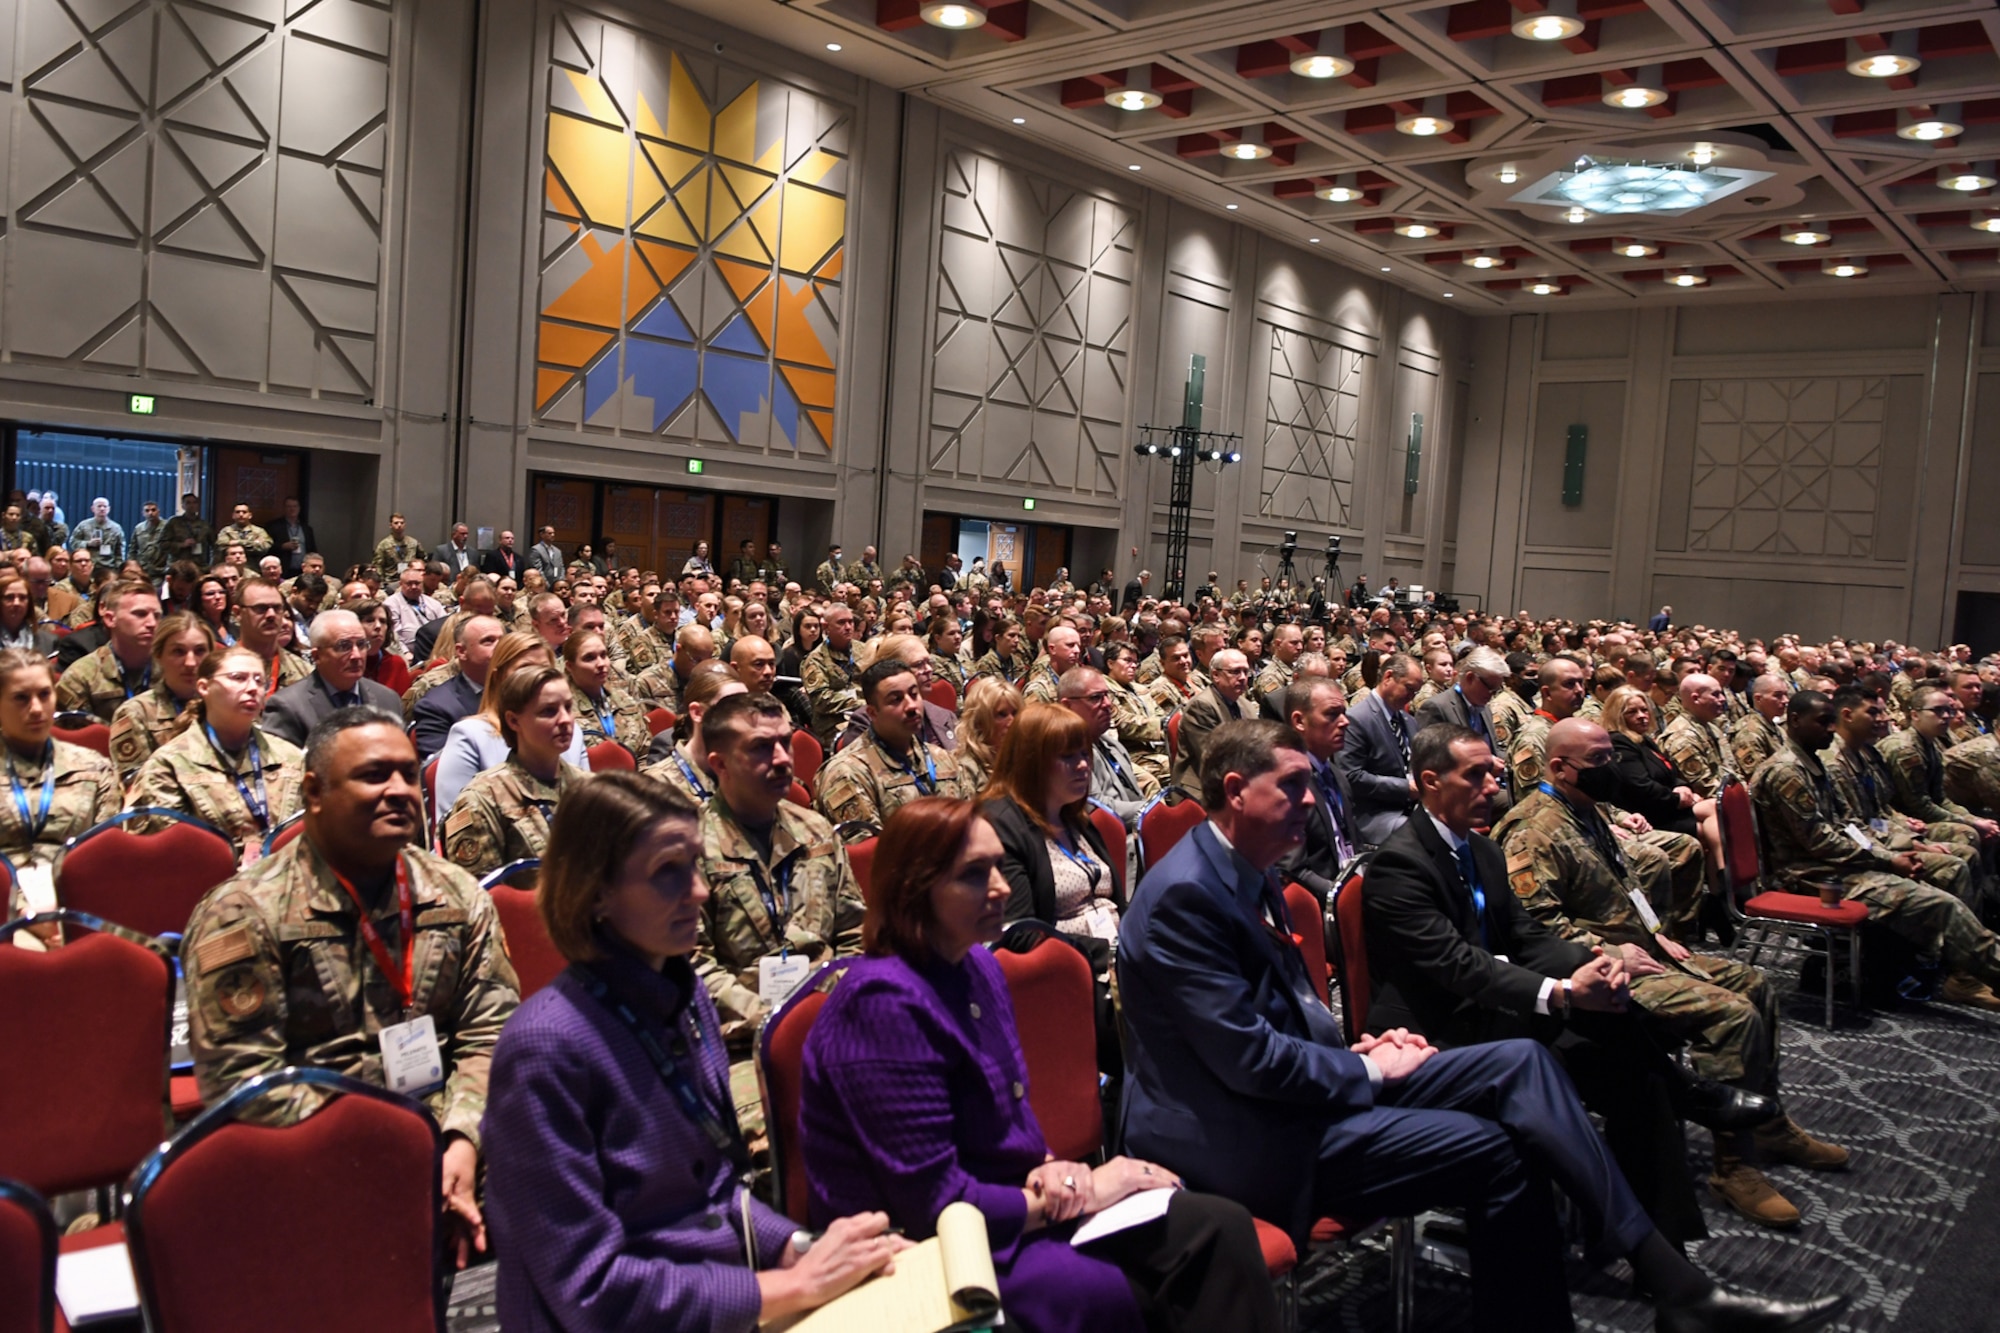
(1915, 1093)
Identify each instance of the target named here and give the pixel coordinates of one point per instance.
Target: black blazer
(1646, 782)
(1025, 861)
(1314, 862)
(494, 562)
(294, 711)
(1429, 971)
(431, 719)
(1452, 706)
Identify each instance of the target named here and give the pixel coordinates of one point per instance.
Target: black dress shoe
(1721, 1107)
(1731, 1312)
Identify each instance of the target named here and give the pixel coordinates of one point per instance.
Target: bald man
(1694, 740)
(1064, 649)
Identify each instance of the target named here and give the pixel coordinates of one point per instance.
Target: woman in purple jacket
(915, 1097)
(615, 1171)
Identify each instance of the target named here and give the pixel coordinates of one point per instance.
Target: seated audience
(1649, 783)
(1316, 708)
(1055, 862)
(1221, 701)
(457, 692)
(861, 786)
(604, 708)
(1376, 755)
(386, 664)
(1915, 756)
(147, 721)
(1116, 781)
(502, 815)
(679, 757)
(338, 680)
(60, 790)
(263, 627)
(989, 708)
(123, 666)
(909, 1106)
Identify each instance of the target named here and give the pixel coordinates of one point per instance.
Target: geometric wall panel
(196, 189)
(694, 222)
(1787, 467)
(1312, 415)
(1033, 331)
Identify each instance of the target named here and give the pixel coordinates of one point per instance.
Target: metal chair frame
(1782, 937)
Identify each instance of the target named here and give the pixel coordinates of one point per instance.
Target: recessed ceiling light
(1385, 268)
(1635, 98)
(957, 14)
(1447, 296)
(1312, 240)
(1988, 223)
(1508, 174)
(1339, 194)
(1129, 98)
(1020, 120)
(1547, 27)
(1483, 261)
(1545, 289)
(1425, 127)
(1966, 181)
(1132, 167)
(1804, 236)
(1417, 231)
(1884, 66)
(1688, 279)
(1703, 153)
(1844, 268)
(1635, 249)
(1929, 131)
(1313, 65)
(1246, 151)
(1577, 215)
(833, 46)
(1230, 207)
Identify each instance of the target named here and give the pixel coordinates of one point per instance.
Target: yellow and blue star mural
(694, 220)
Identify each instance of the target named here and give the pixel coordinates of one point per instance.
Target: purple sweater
(610, 1207)
(915, 1097)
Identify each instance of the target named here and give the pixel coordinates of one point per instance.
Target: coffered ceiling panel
(1509, 153)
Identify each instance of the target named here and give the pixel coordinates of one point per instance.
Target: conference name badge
(779, 975)
(411, 1060)
(38, 887)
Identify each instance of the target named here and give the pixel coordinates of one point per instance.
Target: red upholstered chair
(799, 796)
(95, 736)
(1309, 929)
(807, 755)
(27, 1260)
(281, 836)
(659, 720)
(1774, 919)
(781, 1050)
(347, 1232)
(1054, 1016)
(1174, 739)
(1350, 958)
(433, 817)
(861, 858)
(145, 882)
(1112, 829)
(944, 694)
(529, 948)
(1164, 825)
(610, 757)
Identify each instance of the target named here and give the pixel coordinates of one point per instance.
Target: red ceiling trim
(1812, 57)
(1953, 39)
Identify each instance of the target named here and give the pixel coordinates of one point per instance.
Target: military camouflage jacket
(1753, 738)
(1527, 751)
(392, 557)
(1972, 773)
(1565, 865)
(1139, 721)
(674, 770)
(503, 815)
(643, 647)
(189, 775)
(86, 793)
(142, 725)
(992, 664)
(863, 783)
(1507, 709)
(1916, 767)
(626, 715)
(1699, 752)
(1041, 686)
(950, 670)
(182, 528)
(1276, 676)
(800, 895)
(96, 684)
(423, 685)
(660, 686)
(253, 539)
(1867, 788)
(278, 975)
(1803, 820)
(828, 681)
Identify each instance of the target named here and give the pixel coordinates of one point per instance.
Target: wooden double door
(655, 527)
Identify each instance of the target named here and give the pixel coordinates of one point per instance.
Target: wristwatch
(802, 1240)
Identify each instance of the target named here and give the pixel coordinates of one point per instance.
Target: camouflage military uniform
(290, 669)
(178, 529)
(798, 895)
(503, 815)
(105, 540)
(951, 670)
(1916, 767)
(142, 725)
(1591, 709)
(863, 571)
(1507, 709)
(278, 975)
(1866, 788)
(1700, 753)
(392, 556)
(627, 720)
(828, 574)
(660, 686)
(1969, 727)
(700, 788)
(992, 664)
(254, 540)
(1804, 823)
(1753, 738)
(1041, 686)
(864, 784)
(1525, 754)
(1277, 675)
(1170, 697)
(188, 775)
(828, 682)
(1143, 729)
(423, 685)
(146, 546)
(644, 646)
(86, 794)
(97, 684)
(1972, 773)
(1567, 868)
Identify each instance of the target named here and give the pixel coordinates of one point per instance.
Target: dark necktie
(1336, 810)
(1470, 874)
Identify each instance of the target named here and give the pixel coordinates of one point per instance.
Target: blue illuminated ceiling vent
(1657, 189)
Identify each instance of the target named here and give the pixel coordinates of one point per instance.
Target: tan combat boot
(1781, 1140)
(1746, 1189)
(1962, 989)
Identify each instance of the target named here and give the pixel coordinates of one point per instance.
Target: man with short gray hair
(340, 659)
(1223, 701)
(1116, 781)
(104, 539)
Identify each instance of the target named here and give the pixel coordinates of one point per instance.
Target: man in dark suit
(1134, 593)
(457, 697)
(1376, 758)
(292, 537)
(1238, 1079)
(457, 553)
(340, 656)
(1316, 708)
(503, 560)
(1482, 674)
(1662, 621)
(1222, 701)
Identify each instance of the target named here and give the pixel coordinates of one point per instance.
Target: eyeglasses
(241, 677)
(1100, 697)
(264, 609)
(1945, 710)
(348, 646)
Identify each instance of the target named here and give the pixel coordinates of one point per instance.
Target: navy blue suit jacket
(1372, 763)
(1234, 1067)
(445, 704)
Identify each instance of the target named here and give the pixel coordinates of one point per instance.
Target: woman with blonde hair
(150, 719)
(990, 706)
(503, 814)
(685, 766)
(476, 744)
(1648, 782)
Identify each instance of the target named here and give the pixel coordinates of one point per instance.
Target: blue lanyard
(910, 770)
(607, 719)
(778, 905)
(1471, 879)
(259, 804)
(701, 793)
(145, 679)
(40, 820)
(1088, 864)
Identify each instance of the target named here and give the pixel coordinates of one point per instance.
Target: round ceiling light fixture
(1687, 277)
(1703, 153)
(1129, 98)
(1340, 194)
(1319, 65)
(1508, 174)
(1930, 131)
(957, 15)
(1844, 268)
(1547, 27)
(1417, 231)
(1578, 214)
(1634, 98)
(1483, 261)
(1634, 249)
(1246, 151)
(1804, 235)
(1989, 223)
(1966, 182)
(1545, 288)
(1884, 65)
(1426, 127)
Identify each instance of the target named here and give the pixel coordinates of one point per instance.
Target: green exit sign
(695, 465)
(1028, 503)
(141, 404)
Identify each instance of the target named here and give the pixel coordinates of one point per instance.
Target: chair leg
(1288, 1302)
(1403, 1271)
(1854, 965)
(1831, 956)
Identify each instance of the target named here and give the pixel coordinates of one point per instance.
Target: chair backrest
(145, 882)
(27, 1260)
(1351, 949)
(799, 796)
(1112, 829)
(351, 1206)
(84, 1045)
(659, 720)
(1309, 929)
(861, 858)
(433, 817)
(781, 1049)
(1174, 739)
(1164, 825)
(1054, 1015)
(278, 838)
(807, 755)
(610, 757)
(96, 737)
(1742, 862)
(944, 694)
(529, 948)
